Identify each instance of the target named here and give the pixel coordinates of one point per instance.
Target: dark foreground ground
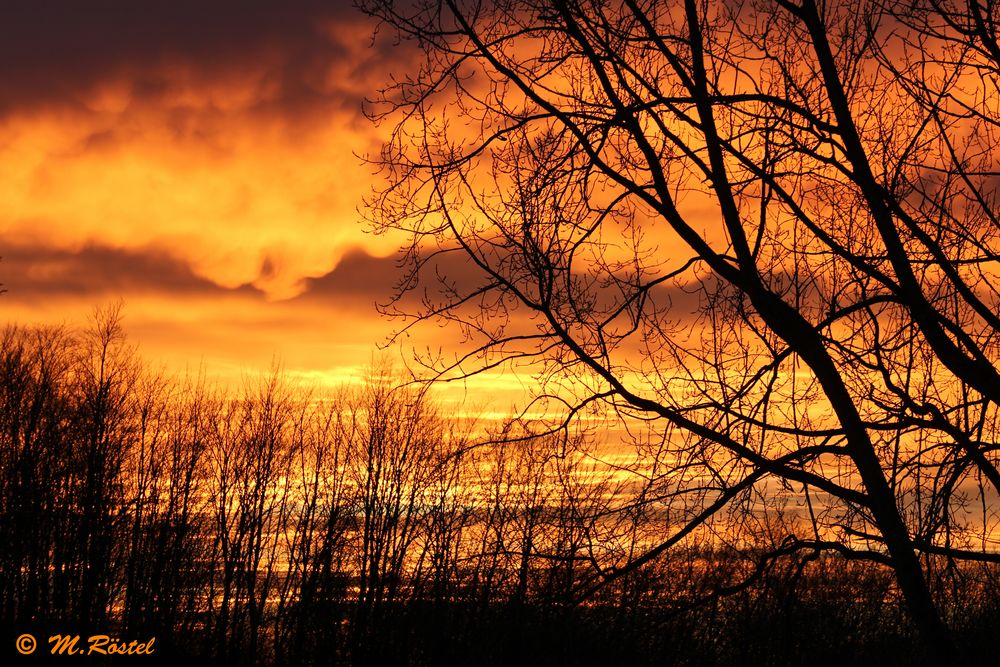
(744, 632)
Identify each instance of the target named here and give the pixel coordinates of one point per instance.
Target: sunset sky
(198, 160)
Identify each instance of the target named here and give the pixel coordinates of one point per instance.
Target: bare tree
(395, 436)
(250, 466)
(280, 526)
(106, 373)
(166, 569)
(34, 410)
(314, 594)
(766, 229)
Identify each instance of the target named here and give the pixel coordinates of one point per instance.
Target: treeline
(273, 526)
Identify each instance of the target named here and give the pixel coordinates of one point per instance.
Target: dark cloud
(58, 51)
(368, 280)
(378, 279)
(34, 271)
(356, 284)
(358, 275)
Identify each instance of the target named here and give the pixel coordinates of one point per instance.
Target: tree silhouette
(765, 229)
(279, 525)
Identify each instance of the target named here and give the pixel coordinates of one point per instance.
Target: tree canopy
(767, 230)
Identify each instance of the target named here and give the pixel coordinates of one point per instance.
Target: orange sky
(198, 161)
